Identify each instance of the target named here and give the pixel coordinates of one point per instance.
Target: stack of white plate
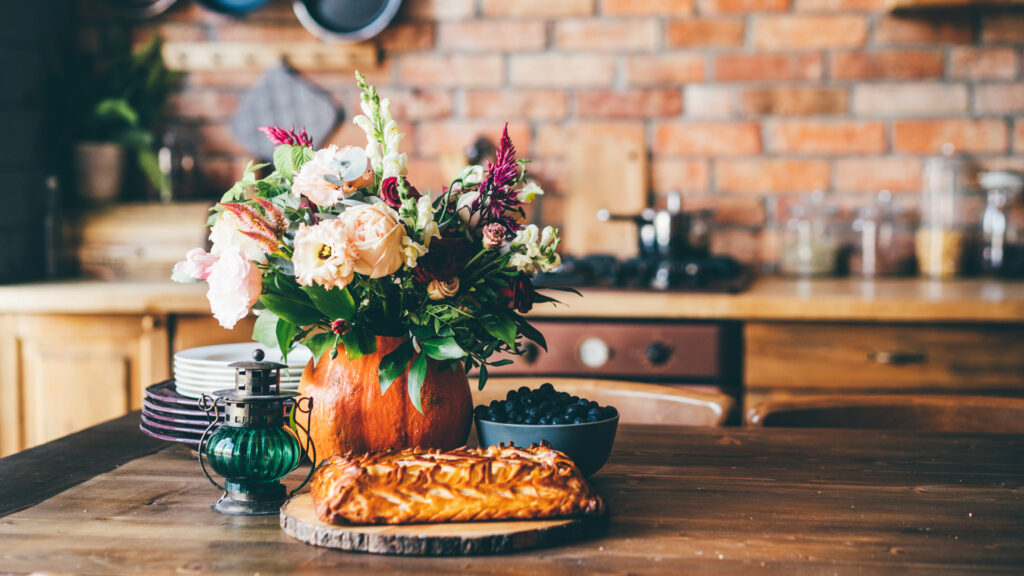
(203, 370)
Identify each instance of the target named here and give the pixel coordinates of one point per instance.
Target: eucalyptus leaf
(292, 310)
(265, 329)
(417, 372)
(394, 365)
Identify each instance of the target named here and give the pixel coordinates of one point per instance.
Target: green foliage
(265, 329)
(292, 310)
(319, 343)
(394, 364)
(333, 303)
(288, 159)
(417, 373)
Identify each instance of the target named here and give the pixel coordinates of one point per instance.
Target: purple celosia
(499, 196)
(280, 136)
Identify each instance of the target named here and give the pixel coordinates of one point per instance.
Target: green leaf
(283, 160)
(501, 328)
(442, 348)
(292, 310)
(300, 155)
(482, 380)
(502, 362)
(394, 365)
(531, 333)
(359, 342)
(333, 303)
(241, 188)
(320, 343)
(285, 334)
(417, 372)
(265, 329)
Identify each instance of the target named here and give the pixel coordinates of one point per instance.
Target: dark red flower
(339, 326)
(389, 192)
(520, 294)
(444, 261)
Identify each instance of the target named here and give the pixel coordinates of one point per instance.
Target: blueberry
(559, 420)
(524, 390)
(574, 399)
(583, 402)
(563, 396)
(545, 420)
(529, 420)
(480, 411)
(608, 412)
(591, 417)
(577, 420)
(572, 410)
(511, 396)
(547, 387)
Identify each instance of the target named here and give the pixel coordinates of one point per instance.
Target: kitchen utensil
(345, 20)
(670, 234)
(234, 7)
(282, 98)
(299, 520)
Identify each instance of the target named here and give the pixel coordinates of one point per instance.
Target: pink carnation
(196, 266)
(235, 284)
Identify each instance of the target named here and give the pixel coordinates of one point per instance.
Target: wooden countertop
(682, 501)
(895, 300)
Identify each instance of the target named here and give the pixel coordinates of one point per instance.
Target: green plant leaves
(291, 309)
(502, 328)
(320, 343)
(289, 159)
(417, 373)
(359, 342)
(531, 333)
(394, 365)
(285, 332)
(265, 329)
(333, 303)
(442, 348)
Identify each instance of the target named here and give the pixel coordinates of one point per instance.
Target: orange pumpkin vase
(350, 413)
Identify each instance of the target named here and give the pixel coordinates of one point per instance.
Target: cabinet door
(71, 372)
(193, 331)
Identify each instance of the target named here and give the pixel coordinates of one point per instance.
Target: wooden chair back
(932, 413)
(637, 403)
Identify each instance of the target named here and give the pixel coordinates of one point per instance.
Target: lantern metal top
(256, 380)
(257, 362)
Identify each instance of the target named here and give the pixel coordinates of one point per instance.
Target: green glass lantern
(252, 450)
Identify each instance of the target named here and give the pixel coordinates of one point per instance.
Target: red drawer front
(634, 350)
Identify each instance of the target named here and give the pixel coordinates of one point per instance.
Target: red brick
(760, 175)
(218, 139)
(411, 105)
(789, 101)
(999, 99)
(768, 67)
(809, 32)
(902, 64)
(898, 174)
(909, 99)
(554, 140)
(606, 35)
(664, 69)
(704, 101)
(824, 137)
(729, 210)
(647, 7)
(743, 244)
(202, 105)
(629, 104)
(451, 70)
(839, 5)
(546, 104)
(488, 35)
(219, 173)
(439, 9)
(928, 136)
(407, 36)
(741, 6)
(929, 29)
(562, 70)
(1003, 26)
(711, 139)
(679, 174)
(435, 138)
(348, 134)
(1018, 136)
(971, 62)
(425, 174)
(243, 31)
(541, 8)
(704, 33)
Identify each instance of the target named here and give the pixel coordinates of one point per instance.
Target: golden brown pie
(417, 486)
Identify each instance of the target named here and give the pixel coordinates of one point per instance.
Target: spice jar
(810, 246)
(1002, 224)
(943, 235)
(882, 242)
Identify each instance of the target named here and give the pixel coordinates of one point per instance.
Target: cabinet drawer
(789, 356)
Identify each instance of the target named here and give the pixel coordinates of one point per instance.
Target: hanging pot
(351, 414)
(345, 20)
(233, 7)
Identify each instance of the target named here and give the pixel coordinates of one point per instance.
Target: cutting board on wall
(607, 170)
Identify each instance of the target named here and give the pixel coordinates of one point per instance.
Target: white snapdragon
(394, 164)
(530, 192)
(534, 250)
(464, 208)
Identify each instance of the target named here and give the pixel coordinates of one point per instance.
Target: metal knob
(658, 354)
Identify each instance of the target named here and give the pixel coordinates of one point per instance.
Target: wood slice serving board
(299, 521)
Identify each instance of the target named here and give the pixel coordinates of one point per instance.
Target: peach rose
(377, 233)
(235, 284)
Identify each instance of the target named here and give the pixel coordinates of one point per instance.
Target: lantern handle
(208, 404)
(309, 439)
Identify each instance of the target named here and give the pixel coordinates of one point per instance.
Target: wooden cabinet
(805, 358)
(63, 373)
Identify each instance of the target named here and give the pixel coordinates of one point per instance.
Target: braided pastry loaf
(418, 486)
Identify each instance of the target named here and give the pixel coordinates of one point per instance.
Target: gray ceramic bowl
(588, 444)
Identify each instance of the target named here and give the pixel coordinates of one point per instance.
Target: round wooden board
(299, 521)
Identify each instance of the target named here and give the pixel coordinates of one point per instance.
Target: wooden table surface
(683, 501)
(840, 299)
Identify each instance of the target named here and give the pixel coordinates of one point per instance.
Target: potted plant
(110, 102)
(397, 294)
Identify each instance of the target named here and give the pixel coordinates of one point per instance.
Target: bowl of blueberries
(581, 428)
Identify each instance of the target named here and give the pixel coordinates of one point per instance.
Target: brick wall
(738, 98)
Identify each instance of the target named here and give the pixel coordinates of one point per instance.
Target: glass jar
(810, 246)
(882, 241)
(942, 237)
(1002, 225)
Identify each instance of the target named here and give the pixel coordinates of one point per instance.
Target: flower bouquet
(335, 249)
